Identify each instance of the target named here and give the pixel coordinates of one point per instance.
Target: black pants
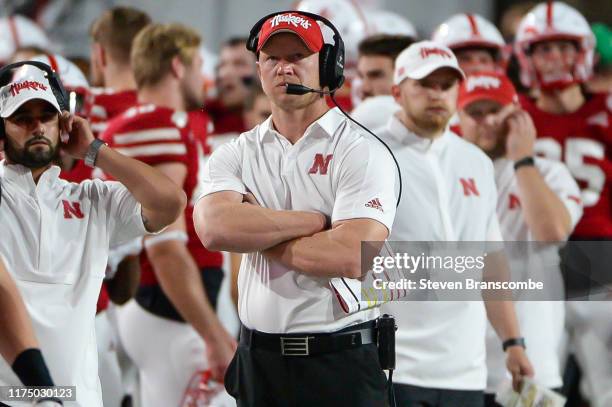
(490, 400)
(351, 378)
(153, 299)
(414, 396)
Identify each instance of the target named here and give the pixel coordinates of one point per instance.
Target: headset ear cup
(325, 63)
(339, 64)
(60, 92)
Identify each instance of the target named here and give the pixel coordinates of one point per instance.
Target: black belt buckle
(295, 345)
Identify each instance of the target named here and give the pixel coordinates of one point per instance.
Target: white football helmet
(551, 21)
(471, 30)
(388, 22)
(18, 31)
(348, 19)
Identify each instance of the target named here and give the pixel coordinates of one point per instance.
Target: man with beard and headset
(56, 234)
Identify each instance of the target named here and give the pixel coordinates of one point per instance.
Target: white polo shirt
(541, 322)
(449, 194)
(333, 169)
(55, 239)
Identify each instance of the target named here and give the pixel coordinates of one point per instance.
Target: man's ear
(177, 68)
(395, 91)
(99, 53)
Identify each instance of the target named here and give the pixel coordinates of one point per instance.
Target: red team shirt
(583, 141)
(225, 120)
(158, 135)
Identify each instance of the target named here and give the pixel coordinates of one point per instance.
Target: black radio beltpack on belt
(385, 328)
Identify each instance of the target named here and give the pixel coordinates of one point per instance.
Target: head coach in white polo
(297, 194)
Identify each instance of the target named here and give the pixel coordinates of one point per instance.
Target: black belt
(307, 344)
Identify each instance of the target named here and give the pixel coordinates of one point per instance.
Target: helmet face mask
(554, 21)
(553, 62)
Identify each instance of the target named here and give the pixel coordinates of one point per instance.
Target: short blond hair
(116, 29)
(155, 47)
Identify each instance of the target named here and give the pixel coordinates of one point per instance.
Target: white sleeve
(365, 184)
(223, 170)
(123, 213)
(561, 182)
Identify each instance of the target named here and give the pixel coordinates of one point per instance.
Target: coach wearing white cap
(55, 234)
(450, 196)
(268, 195)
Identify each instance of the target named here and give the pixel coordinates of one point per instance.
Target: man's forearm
(243, 228)
(333, 253)
(502, 316)
(319, 255)
(15, 325)
(180, 280)
(498, 303)
(545, 214)
(151, 188)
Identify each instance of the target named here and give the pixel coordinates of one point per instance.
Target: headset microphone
(295, 89)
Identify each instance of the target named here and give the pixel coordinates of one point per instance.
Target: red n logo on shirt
(469, 187)
(514, 202)
(72, 209)
(320, 164)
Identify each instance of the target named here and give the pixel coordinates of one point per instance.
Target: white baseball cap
(422, 58)
(28, 83)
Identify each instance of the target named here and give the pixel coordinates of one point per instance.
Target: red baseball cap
(486, 86)
(294, 22)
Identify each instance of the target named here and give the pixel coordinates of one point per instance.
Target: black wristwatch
(525, 161)
(514, 342)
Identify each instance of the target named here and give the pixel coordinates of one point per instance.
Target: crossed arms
(299, 240)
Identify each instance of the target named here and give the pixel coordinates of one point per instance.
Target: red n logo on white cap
(469, 187)
(72, 209)
(320, 164)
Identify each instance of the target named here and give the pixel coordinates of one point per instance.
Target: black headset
(331, 56)
(54, 81)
